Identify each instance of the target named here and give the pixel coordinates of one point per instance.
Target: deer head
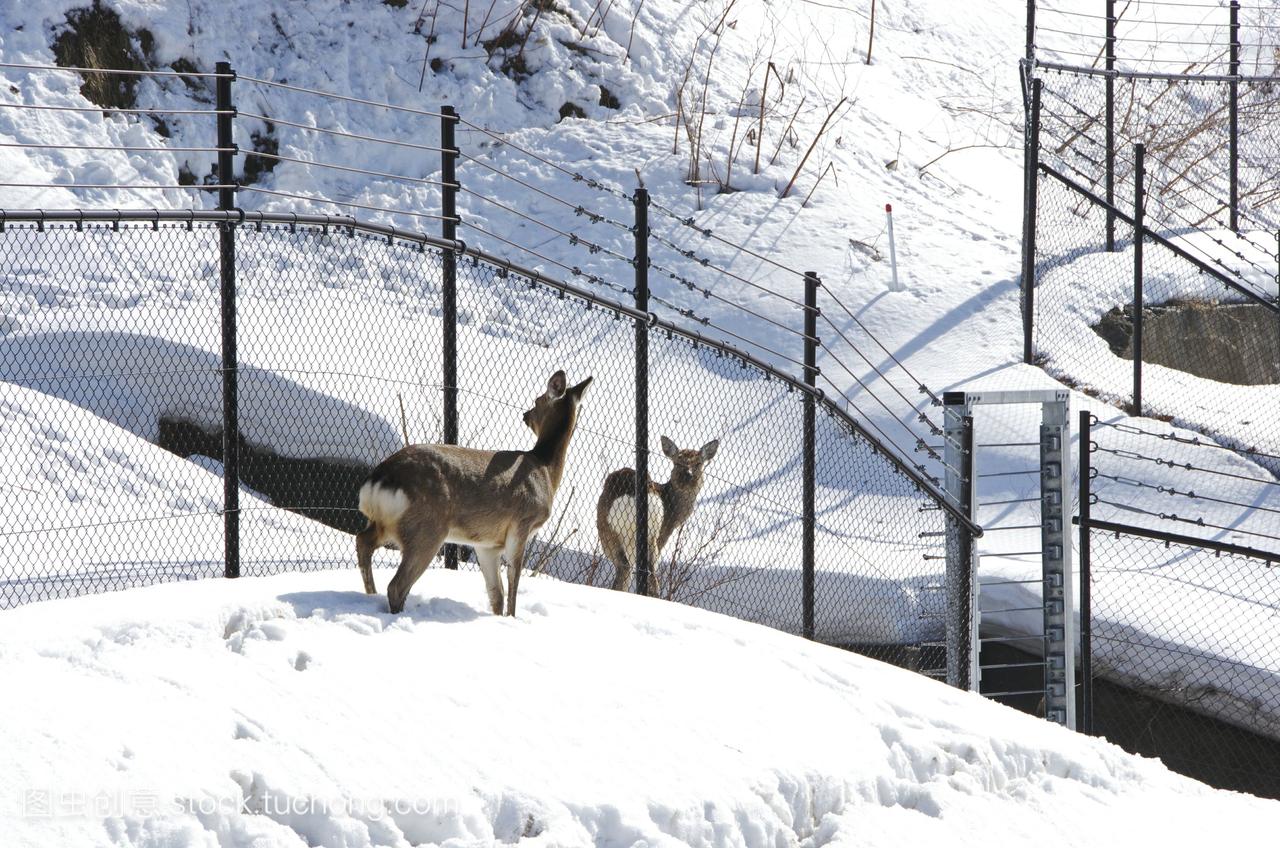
(687, 465)
(425, 495)
(556, 409)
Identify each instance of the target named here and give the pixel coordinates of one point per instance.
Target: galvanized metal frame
(1058, 596)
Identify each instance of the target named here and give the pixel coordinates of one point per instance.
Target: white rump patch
(382, 505)
(622, 520)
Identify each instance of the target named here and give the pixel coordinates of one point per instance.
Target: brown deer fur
(423, 496)
(675, 500)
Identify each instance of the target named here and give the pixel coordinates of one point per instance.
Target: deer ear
(580, 390)
(669, 448)
(709, 450)
(555, 386)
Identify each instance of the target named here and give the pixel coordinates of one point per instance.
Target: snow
(293, 710)
(942, 80)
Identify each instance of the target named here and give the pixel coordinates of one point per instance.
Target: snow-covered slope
(943, 79)
(293, 710)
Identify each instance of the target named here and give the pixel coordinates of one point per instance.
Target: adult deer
(669, 504)
(425, 495)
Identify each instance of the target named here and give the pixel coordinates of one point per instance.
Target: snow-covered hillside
(293, 710)
(931, 125)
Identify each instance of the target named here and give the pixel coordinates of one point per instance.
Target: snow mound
(293, 710)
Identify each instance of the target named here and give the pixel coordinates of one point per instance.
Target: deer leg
(490, 567)
(366, 543)
(516, 542)
(652, 582)
(419, 546)
(621, 565)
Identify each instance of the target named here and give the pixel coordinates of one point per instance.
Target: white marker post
(893, 250)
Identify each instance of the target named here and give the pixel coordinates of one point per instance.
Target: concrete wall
(1229, 343)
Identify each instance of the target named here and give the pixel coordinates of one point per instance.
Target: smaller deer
(425, 495)
(669, 504)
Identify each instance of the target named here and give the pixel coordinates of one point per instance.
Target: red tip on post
(888, 207)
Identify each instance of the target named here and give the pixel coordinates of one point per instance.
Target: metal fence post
(227, 273)
(1233, 142)
(1030, 198)
(1139, 212)
(641, 233)
(1111, 124)
(962, 616)
(1086, 586)
(1031, 35)
(808, 568)
(449, 288)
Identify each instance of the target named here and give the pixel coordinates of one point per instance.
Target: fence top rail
(1147, 232)
(459, 247)
(1179, 539)
(1081, 70)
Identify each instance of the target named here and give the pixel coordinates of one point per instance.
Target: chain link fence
(112, 363)
(1185, 124)
(1180, 540)
(1195, 277)
(1198, 689)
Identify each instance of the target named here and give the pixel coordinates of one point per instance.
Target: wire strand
(706, 322)
(160, 186)
(348, 99)
(278, 158)
(922, 387)
(1197, 521)
(572, 238)
(574, 270)
(902, 452)
(1195, 440)
(594, 217)
(706, 232)
(34, 146)
(121, 71)
(924, 419)
(866, 389)
(596, 184)
(426, 215)
(706, 263)
(1173, 492)
(114, 111)
(343, 134)
(1184, 466)
(711, 295)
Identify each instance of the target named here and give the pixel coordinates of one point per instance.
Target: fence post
(1031, 35)
(641, 233)
(1234, 111)
(1111, 124)
(449, 288)
(962, 645)
(1031, 176)
(1086, 586)
(230, 363)
(1139, 212)
(808, 569)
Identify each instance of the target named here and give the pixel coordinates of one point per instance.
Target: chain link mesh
(1206, 703)
(1184, 124)
(112, 370)
(1185, 649)
(124, 324)
(1084, 323)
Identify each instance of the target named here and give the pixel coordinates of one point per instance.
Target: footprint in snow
(246, 729)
